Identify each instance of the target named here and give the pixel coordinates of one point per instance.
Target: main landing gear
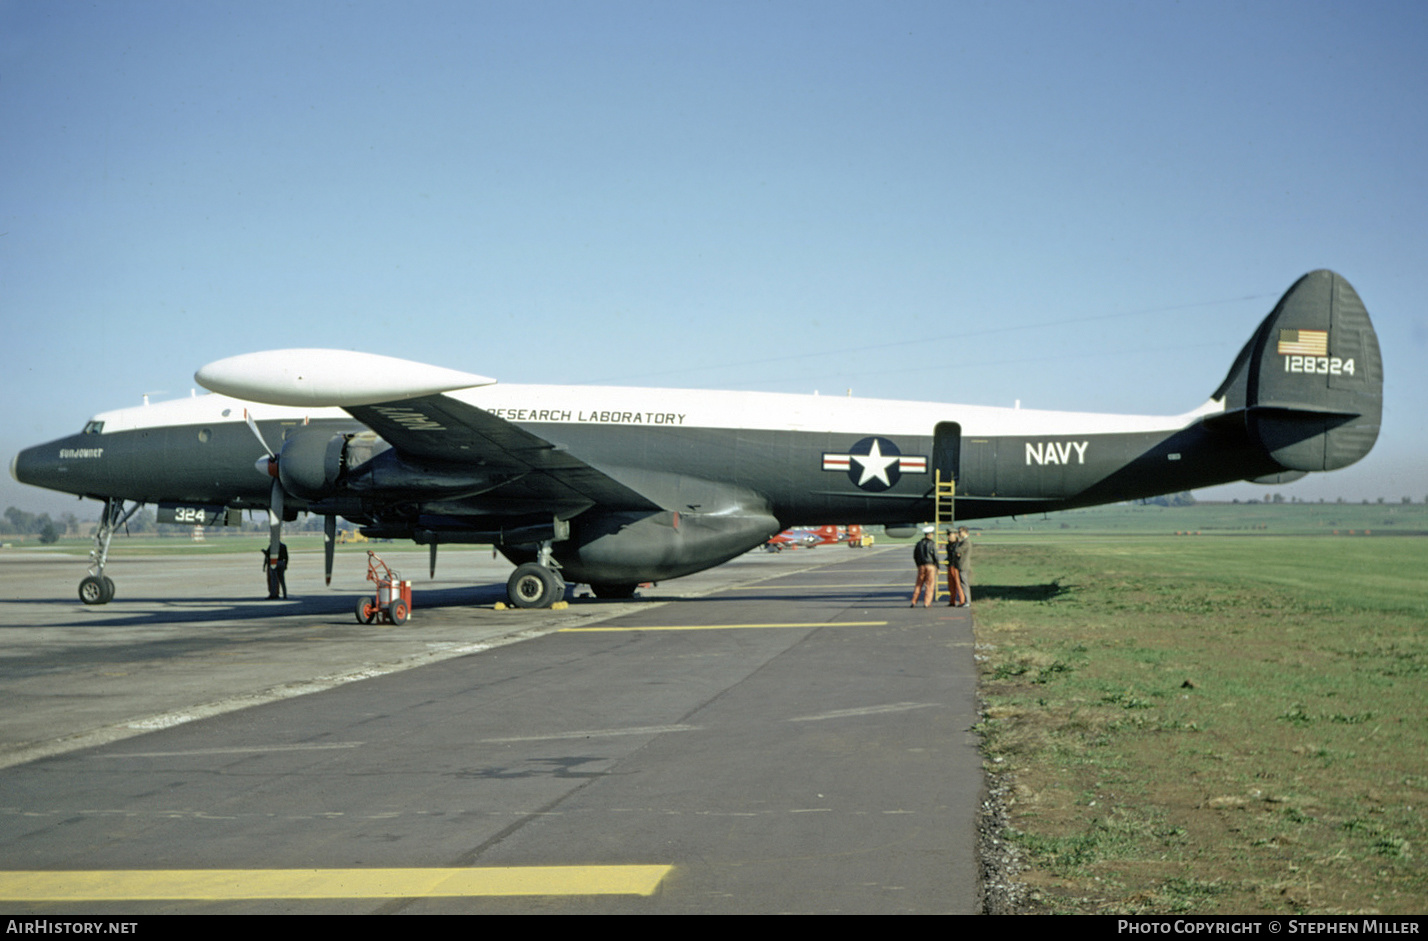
(98, 588)
(536, 584)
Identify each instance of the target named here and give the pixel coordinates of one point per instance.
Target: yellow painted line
(228, 884)
(719, 627)
(809, 587)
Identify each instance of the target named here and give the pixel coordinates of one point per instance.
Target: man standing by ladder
(924, 556)
(959, 568)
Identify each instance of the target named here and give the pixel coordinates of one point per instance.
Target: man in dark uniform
(959, 569)
(924, 556)
(277, 571)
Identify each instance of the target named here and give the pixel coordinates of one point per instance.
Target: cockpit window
(94, 428)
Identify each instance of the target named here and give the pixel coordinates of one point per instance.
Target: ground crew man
(277, 569)
(959, 569)
(924, 556)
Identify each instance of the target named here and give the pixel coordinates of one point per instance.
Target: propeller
(269, 466)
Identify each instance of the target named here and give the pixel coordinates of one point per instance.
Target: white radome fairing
(318, 378)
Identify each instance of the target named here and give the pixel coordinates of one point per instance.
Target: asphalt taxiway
(781, 734)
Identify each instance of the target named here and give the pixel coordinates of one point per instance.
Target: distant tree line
(1184, 498)
(17, 522)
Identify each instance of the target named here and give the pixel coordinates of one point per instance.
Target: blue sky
(1076, 205)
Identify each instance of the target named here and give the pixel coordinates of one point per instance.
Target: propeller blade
(253, 427)
(433, 557)
(329, 545)
(275, 520)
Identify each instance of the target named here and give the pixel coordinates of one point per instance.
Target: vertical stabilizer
(1309, 383)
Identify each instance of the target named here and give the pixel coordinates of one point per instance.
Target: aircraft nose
(41, 466)
(26, 467)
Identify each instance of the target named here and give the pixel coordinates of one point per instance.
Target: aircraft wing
(438, 428)
(405, 403)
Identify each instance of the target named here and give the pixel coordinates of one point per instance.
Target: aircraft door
(946, 465)
(947, 450)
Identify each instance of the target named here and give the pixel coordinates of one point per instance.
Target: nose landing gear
(98, 588)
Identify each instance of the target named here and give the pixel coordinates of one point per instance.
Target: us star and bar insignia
(875, 464)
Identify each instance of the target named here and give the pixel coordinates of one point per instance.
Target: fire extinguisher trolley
(393, 604)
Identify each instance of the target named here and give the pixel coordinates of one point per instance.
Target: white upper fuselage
(687, 408)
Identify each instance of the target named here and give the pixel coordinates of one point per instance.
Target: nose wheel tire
(96, 590)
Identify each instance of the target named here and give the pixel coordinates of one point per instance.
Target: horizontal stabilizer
(319, 378)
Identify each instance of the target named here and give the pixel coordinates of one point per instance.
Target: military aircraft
(801, 537)
(806, 537)
(618, 486)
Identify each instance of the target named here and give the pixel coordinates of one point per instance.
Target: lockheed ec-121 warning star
(618, 486)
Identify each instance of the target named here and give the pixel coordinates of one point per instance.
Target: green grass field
(1216, 724)
(1227, 518)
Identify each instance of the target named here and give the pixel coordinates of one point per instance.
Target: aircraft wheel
(366, 609)
(534, 586)
(109, 587)
(614, 591)
(397, 611)
(93, 591)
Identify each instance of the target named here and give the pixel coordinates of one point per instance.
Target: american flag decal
(1303, 343)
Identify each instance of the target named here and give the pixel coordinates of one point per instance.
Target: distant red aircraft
(804, 537)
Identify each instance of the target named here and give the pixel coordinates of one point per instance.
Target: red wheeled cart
(393, 604)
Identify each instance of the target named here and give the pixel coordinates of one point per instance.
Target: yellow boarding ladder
(944, 513)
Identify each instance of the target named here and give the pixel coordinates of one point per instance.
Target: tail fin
(1309, 383)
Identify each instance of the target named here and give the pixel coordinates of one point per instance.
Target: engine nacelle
(310, 464)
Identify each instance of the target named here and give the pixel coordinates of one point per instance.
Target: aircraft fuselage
(836, 460)
(616, 486)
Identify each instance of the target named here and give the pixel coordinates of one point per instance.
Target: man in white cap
(924, 555)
